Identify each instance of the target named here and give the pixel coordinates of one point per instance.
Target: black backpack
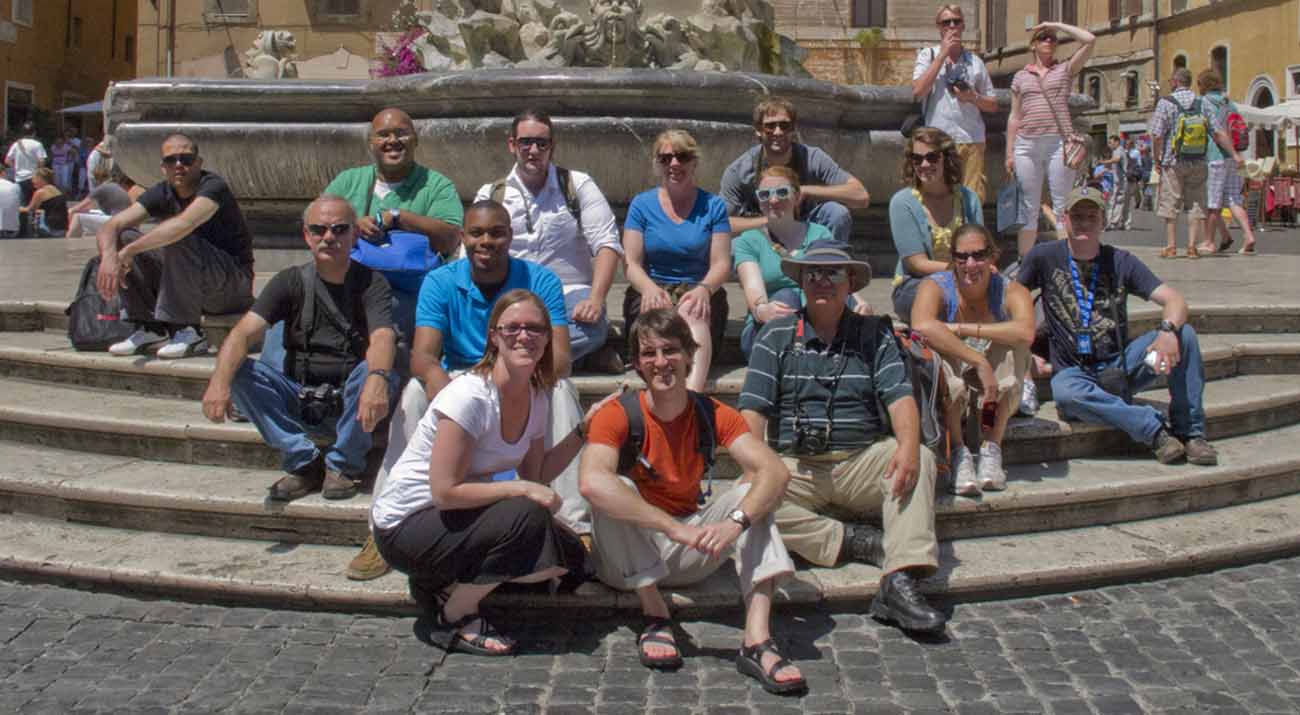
(95, 323)
(631, 453)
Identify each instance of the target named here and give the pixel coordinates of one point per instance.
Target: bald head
(335, 201)
(392, 115)
(392, 144)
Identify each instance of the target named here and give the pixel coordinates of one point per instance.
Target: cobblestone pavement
(1220, 642)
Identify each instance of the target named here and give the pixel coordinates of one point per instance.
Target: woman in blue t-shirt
(677, 243)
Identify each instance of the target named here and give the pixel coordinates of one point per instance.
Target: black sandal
(653, 632)
(447, 636)
(750, 663)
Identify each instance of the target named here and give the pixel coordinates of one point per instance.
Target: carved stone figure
(270, 57)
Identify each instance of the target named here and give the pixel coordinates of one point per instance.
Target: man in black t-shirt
(1096, 368)
(198, 260)
(338, 368)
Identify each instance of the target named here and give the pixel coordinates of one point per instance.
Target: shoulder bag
(1074, 146)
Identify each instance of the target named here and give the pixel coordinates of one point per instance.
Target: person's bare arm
(217, 405)
(757, 423)
(109, 280)
(599, 484)
(603, 266)
(561, 353)
(443, 237)
(741, 224)
(1013, 126)
(372, 407)
(764, 469)
(634, 262)
(851, 193)
(919, 264)
(905, 466)
(173, 229)
(1086, 40)
(426, 360)
(921, 86)
(449, 460)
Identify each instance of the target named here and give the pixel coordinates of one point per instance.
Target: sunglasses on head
(933, 157)
(835, 276)
(682, 157)
(338, 229)
(978, 256)
(784, 125)
(182, 159)
(542, 143)
(781, 193)
(952, 22)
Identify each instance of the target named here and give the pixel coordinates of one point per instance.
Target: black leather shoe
(862, 544)
(900, 602)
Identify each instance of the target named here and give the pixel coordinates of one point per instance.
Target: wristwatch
(393, 215)
(739, 517)
(1167, 326)
(382, 373)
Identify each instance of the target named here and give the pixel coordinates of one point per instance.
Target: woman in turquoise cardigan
(923, 216)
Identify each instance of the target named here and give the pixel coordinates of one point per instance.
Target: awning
(1277, 116)
(90, 108)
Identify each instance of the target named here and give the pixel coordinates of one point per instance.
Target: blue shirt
(449, 297)
(677, 252)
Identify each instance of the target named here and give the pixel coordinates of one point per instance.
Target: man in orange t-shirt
(653, 525)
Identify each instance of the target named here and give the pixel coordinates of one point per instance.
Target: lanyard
(1084, 300)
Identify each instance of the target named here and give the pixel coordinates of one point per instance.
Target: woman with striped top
(1040, 112)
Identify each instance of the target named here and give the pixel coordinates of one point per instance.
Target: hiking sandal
(659, 631)
(448, 637)
(750, 662)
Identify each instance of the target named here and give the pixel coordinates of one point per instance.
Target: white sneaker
(187, 341)
(992, 477)
(1028, 399)
(965, 483)
(135, 343)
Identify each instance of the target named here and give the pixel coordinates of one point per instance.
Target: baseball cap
(1085, 193)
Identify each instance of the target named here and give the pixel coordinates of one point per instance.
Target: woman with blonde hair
(443, 520)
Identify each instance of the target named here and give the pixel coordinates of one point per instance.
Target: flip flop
(1169, 253)
(1247, 251)
(1226, 244)
(654, 632)
(750, 663)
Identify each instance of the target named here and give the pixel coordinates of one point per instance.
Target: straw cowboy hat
(1254, 170)
(828, 253)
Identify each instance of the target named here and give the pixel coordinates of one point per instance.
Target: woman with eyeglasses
(677, 246)
(981, 323)
(441, 519)
(923, 216)
(1039, 122)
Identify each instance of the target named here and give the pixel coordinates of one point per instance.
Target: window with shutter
(24, 12)
(1045, 13)
(995, 31)
(230, 10)
(869, 13)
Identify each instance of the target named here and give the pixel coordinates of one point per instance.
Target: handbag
(404, 257)
(1074, 146)
(1009, 198)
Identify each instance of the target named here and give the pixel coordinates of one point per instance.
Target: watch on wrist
(1167, 326)
(739, 516)
(382, 373)
(394, 215)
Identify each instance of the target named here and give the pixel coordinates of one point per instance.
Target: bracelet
(387, 375)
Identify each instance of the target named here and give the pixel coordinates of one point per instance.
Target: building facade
(55, 55)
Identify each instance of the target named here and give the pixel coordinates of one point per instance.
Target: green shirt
(425, 192)
(754, 245)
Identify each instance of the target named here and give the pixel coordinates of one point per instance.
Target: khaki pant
(1182, 185)
(629, 557)
(1010, 365)
(852, 489)
(972, 168)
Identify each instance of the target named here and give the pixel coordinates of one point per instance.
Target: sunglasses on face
(542, 143)
(978, 256)
(784, 125)
(532, 330)
(932, 157)
(182, 159)
(834, 276)
(1045, 38)
(780, 193)
(682, 157)
(952, 22)
(338, 229)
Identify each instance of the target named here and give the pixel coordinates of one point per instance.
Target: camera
(811, 440)
(320, 403)
(956, 76)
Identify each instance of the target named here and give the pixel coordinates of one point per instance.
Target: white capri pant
(1034, 157)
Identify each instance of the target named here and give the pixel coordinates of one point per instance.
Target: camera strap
(311, 296)
(839, 358)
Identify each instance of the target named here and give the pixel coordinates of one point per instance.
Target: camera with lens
(811, 440)
(956, 76)
(320, 403)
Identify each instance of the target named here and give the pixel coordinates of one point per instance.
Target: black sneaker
(862, 544)
(900, 602)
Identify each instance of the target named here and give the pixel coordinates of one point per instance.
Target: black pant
(717, 313)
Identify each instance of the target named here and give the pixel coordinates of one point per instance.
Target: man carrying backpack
(1223, 185)
(1181, 132)
(827, 386)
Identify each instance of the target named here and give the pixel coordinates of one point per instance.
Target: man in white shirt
(25, 156)
(10, 199)
(1115, 166)
(561, 220)
(955, 87)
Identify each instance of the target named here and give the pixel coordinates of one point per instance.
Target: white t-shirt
(474, 403)
(10, 198)
(26, 156)
(961, 120)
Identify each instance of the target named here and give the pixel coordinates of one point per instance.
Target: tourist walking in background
(62, 158)
(1040, 125)
(954, 86)
(1134, 181)
(1223, 186)
(1115, 166)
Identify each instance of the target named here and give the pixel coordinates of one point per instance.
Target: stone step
(129, 493)
(276, 575)
(111, 422)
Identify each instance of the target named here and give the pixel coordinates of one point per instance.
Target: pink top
(1036, 110)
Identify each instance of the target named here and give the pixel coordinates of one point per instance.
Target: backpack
(925, 373)
(297, 362)
(498, 193)
(1237, 129)
(1191, 136)
(94, 323)
(707, 443)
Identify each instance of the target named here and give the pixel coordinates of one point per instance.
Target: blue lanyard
(1084, 300)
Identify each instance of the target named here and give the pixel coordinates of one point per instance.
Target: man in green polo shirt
(397, 193)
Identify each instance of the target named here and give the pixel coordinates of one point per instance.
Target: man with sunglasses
(337, 378)
(828, 191)
(561, 220)
(198, 260)
(955, 88)
(827, 386)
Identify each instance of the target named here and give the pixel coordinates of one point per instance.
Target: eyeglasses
(784, 125)
(400, 135)
(952, 22)
(781, 193)
(182, 159)
(338, 229)
(835, 276)
(932, 157)
(978, 256)
(542, 143)
(682, 157)
(532, 330)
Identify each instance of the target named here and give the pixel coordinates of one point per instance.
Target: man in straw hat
(830, 391)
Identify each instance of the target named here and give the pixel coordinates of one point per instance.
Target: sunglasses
(978, 256)
(542, 143)
(682, 157)
(338, 229)
(933, 157)
(834, 276)
(532, 330)
(952, 22)
(784, 125)
(781, 193)
(1045, 38)
(182, 159)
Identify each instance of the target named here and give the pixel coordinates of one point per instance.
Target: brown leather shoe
(367, 564)
(1200, 452)
(338, 486)
(295, 486)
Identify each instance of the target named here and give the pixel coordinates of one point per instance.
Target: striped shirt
(1039, 112)
(784, 381)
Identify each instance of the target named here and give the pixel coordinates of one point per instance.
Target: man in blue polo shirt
(451, 335)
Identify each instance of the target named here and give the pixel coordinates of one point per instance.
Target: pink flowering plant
(401, 58)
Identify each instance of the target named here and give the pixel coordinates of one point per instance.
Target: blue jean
(788, 296)
(834, 216)
(269, 399)
(584, 338)
(1078, 396)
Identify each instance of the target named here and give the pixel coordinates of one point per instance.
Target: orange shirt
(671, 448)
